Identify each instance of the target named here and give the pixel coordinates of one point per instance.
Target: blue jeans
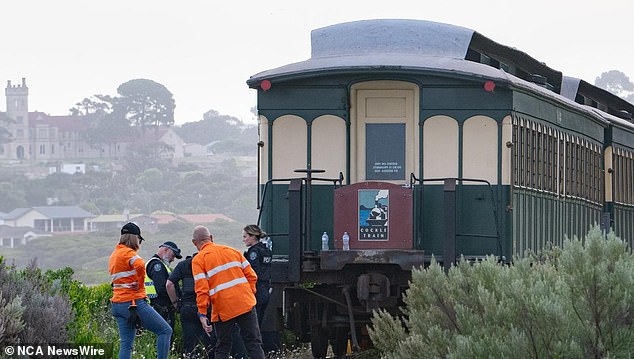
(151, 321)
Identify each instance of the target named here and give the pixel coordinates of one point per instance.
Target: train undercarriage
(334, 302)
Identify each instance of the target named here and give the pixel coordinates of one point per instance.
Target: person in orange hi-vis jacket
(130, 306)
(225, 280)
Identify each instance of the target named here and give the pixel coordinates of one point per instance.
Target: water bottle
(346, 241)
(324, 241)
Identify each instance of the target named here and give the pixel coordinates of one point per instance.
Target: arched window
(19, 152)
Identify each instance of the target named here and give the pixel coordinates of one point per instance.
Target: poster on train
(385, 151)
(374, 214)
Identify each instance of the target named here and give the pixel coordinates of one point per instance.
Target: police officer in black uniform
(260, 257)
(157, 271)
(181, 280)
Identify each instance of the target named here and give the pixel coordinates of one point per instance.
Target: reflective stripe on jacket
(126, 268)
(224, 279)
(150, 289)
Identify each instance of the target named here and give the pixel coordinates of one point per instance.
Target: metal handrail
(414, 179)
(266, 186)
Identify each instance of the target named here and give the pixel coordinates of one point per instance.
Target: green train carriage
(473, 143)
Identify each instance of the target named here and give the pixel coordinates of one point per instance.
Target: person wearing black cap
(157, 271)
(129, 306)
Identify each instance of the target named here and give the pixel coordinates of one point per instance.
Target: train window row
(623, 162)
(552, 161)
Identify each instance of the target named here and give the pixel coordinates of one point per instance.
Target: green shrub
(93, 321)
(570, 302)
(11, 323)
(175, 227)
(39, 309)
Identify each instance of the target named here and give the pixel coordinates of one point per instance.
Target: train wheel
(340, 343)
(298, 320)
(318, 341)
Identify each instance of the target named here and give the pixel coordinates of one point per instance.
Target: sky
(203, 51)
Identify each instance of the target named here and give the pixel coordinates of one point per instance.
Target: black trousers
(249, 330)
(196, 342)
(166, 311)
(262, 296)
(270, 340)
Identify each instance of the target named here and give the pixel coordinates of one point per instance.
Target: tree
(107, 129)
(213, 127)
(615, 82)
(12, 196)
(145, 156)
(104, 127)
(94, 105)
(150, 180)
(226, 134)
(570, 302)
(144, 103)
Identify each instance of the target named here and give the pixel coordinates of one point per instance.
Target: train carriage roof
(386, 44)
(418, 45)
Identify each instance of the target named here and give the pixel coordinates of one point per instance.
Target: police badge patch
(253, 255)
(158, 267)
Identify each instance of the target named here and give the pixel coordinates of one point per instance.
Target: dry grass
(303, 352)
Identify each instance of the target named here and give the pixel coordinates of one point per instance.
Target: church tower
(18, 110)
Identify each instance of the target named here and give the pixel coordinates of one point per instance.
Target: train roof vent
(624, 115)
(390, 36)
(541, 81)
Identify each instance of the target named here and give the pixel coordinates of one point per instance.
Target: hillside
(222, 182)
(88, 254)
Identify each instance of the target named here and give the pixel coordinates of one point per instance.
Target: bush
(51, 307)
(175, 227)
(93, 321)
(11, 323)
(570, 302)
(38, 309)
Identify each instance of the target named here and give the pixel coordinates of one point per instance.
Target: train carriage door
(478, 232)
(383, 132)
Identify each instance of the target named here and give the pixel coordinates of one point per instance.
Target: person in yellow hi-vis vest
(157, 270)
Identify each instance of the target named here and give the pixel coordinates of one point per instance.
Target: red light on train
(265, 85)
(489, 86)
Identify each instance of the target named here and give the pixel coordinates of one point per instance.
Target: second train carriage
(423, 139)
